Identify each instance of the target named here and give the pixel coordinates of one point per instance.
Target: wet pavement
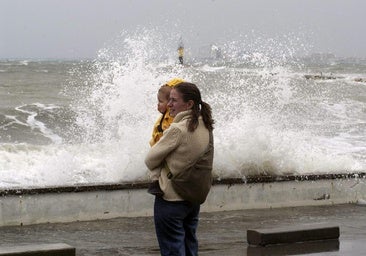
(219, 233)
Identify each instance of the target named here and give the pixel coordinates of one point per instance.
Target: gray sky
(79, 28)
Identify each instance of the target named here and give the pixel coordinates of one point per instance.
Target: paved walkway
(220, 233)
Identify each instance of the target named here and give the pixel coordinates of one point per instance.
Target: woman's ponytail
(189, 92)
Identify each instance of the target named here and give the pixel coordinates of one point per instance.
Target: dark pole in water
(180, 54)
(180, 51)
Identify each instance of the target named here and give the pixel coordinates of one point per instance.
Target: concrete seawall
(105, 201)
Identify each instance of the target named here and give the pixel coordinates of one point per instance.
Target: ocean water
(89, 121)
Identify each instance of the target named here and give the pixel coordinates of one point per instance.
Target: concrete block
(302, 248)
(57, 249)
(293, 234)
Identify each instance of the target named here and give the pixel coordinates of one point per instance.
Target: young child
(160, 126)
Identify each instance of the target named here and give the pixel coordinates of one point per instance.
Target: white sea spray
(268, 118)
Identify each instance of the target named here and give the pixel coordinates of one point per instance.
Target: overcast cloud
(79, 28)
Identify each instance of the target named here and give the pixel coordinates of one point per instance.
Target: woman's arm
(168, 143)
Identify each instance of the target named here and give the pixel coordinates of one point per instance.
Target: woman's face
(176, 103)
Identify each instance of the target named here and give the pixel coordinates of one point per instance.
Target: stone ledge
(263, 237)
(302, 248)
(58, 249)
(143, 185)
(81, 205)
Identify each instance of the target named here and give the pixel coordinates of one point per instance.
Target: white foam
(361, 202)
(211, 69)
(33, 123)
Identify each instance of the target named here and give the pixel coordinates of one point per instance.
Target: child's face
(162, 103)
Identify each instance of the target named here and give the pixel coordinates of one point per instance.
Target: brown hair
(189, 92)
(165, 91)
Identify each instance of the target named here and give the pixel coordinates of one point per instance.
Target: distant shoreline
(312, 58)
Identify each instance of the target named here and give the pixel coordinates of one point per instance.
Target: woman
(182, 145)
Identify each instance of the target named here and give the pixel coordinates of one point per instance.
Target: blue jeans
(175, 225)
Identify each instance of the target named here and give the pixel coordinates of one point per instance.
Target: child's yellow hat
(174, 82)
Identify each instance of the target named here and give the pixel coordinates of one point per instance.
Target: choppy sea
(74, 122)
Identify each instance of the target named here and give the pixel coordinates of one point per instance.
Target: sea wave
(95, 128)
